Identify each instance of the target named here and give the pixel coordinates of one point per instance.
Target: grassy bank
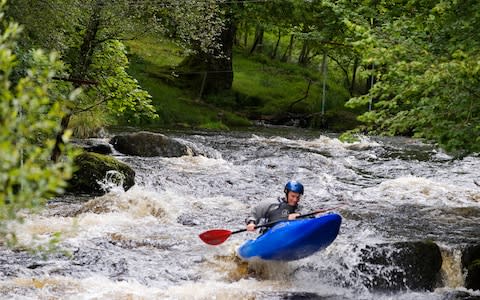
(262, 89)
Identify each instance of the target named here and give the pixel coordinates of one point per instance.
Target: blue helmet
(294, 186)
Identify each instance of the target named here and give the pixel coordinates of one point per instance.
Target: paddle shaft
(275, 222)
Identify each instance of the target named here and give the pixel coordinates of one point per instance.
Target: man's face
(293, 198)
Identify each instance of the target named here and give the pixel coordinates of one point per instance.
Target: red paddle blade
(215, 236)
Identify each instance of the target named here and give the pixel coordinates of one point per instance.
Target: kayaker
(284, 209)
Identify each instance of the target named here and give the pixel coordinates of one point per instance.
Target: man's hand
(251, 227)
(293, 216)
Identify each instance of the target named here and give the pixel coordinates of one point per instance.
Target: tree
(428, 74)
(211, 68)
(29, 120)
(88, 36)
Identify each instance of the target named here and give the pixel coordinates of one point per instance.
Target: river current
(143, 243)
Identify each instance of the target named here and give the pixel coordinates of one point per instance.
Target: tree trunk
(288, 52)
(57, 149)
(354, 76)
(258, 42)
(371, 78)
(370, 82)
(303, 57)
(79, 71)
(275, 50)
(245, 34)
(212, 72)
(324, 82)
(222, 76)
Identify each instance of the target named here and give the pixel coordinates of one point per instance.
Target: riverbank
(264, 91)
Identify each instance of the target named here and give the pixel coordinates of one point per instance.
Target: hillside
(264, 90)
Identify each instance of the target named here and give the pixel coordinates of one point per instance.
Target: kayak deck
(292, 240)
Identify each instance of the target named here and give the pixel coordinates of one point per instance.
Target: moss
(476, 263)
(92, 169)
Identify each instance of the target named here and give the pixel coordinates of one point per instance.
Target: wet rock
(119, 269)
(401, 266)
(93, 168)
(296, 296)
(303, 296)
(471, 263)
(35, 265)
(148, 144)
(459, 295)
(186, 220)
(99, 148)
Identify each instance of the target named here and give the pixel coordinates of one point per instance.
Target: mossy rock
(94, 168)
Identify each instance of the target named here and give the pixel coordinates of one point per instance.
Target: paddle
(218, 236)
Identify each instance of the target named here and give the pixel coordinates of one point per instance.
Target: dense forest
(405, 68)
(414, 64)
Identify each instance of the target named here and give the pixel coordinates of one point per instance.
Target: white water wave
(421, 191)
(334, 146)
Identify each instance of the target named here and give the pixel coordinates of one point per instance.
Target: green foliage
(174, 105)
(235, 120)
(214, 126)
(122, 93)
(349, 137)
(261, 86)
(88, 123)
(278, 85)
(87, 35)
(151, 51)
(29, 121)
(424, 53)
(428, 71)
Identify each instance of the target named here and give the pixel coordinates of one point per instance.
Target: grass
(150, 60)
(261, 86)
(278, 86)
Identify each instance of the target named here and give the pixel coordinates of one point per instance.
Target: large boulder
(401, 266)
(471, 264)
(148, 144)
(96, 173)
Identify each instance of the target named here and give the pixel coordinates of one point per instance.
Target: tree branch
(303, 98)
(76, 80)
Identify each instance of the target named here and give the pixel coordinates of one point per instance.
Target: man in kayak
(285, 209)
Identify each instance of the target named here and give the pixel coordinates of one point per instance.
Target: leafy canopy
(428, 70)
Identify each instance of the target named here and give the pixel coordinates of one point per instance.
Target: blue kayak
(292, 240)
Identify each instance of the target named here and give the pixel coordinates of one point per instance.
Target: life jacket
(279, 211)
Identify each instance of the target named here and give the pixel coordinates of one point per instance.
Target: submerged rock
(94, 168)
(401, 266)
(148, 144)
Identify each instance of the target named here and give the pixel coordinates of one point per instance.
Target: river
(143, 243)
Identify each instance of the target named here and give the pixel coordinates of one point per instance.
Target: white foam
(333, 145)
(423, 191)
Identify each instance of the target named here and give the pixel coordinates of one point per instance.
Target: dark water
(143, 244)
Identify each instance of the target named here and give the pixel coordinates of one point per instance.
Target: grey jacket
(270, 212)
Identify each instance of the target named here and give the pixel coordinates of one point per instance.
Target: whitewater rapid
(143, 243)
